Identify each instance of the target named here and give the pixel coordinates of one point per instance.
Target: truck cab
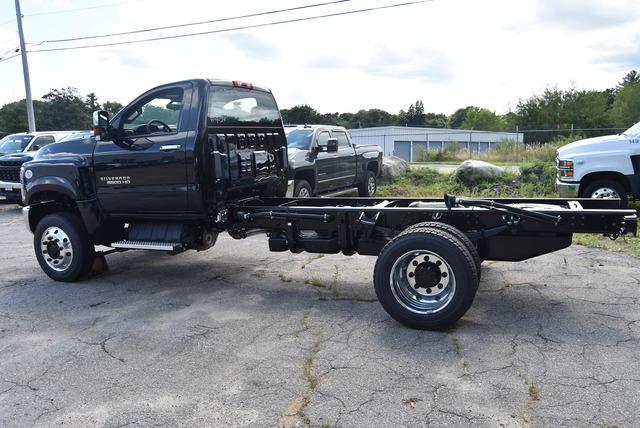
(603, 167)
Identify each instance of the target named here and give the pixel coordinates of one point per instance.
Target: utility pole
(25, 70)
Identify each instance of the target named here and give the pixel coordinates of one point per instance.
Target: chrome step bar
(142, 245)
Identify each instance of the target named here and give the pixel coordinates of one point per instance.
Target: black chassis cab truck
(188, 160)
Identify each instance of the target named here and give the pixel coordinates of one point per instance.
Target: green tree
(456, 119)
(65, 110)
(92, 101)
(483, 119)
(301, 114)
(626, 108)
(630, 78)
(112, 107)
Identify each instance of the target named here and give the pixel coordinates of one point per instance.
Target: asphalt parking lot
(238, 336)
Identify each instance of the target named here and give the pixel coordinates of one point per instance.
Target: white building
(410, 143)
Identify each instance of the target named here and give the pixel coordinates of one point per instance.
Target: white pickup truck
(603, 167)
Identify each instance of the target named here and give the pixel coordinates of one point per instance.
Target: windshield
(240, 106)
(14, 143)
(634, 130)
(299, 139)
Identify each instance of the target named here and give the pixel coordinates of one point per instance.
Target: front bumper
(11, 189)
(567, 190)
(25, 217)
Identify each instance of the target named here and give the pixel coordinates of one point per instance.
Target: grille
(10, 174)
(11, 163)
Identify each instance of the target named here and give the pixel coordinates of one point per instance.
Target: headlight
(565, 168)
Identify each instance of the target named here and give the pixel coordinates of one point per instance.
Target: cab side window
(158, 113)
(343, 141)
(42, 141)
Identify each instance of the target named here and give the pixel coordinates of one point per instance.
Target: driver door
(143, 168)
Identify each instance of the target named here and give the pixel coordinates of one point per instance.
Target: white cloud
(449, 53)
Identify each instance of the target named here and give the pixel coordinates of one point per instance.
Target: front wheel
(369, 186)
(63, 247)
(425, 278)
(606, 189)
(302, 189)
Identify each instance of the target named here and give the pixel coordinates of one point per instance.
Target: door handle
(170, 147)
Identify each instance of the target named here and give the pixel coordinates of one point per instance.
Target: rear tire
(63, 247)
(425, 278)
(462, 237)
(606, 189)
(302, 189)
(368, 188)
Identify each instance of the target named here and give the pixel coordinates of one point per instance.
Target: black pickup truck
(323, 161)
(188, 160)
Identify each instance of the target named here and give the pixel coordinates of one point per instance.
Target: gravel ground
(238, 336)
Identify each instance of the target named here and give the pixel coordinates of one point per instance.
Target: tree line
(553, 108)
(58, 110)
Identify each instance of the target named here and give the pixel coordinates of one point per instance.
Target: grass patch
(535, 180)
(627, 244)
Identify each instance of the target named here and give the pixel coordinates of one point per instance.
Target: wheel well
(595, 176)
(373, 166)
(308, 176)
(48, 202)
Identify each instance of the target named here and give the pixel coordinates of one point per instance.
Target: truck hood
(597, 144)
(80, 145)
(21, 156)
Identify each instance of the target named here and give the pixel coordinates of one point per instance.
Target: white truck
(603, 167)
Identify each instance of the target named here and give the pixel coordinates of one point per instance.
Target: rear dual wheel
(460, 235)
(426, 278)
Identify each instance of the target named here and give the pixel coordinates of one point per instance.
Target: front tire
(63, 247)
(606, 189)
(368, 188)
(425, 279)
(302, 189)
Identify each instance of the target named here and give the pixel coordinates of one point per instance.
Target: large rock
(393, 166)
(473, 171)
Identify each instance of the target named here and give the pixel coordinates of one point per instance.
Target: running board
(143, 245)
(339, 192)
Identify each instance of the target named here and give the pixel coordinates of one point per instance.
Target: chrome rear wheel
(422, 281)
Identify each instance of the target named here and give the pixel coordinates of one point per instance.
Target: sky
(447, 53)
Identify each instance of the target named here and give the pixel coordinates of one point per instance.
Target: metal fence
(451, 144)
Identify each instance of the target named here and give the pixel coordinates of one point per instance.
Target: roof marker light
(239, 84)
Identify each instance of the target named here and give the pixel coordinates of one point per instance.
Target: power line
(79, 9)
(211, 21)
(9, 57)
(244, 27)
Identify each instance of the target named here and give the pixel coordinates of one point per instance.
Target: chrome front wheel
(56, 249)
(605, 193)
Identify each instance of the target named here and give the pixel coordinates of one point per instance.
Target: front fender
(50, 184)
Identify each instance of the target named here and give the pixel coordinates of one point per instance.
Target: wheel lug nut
(411, 274)
(444, 274)
(68, 254)
(415, 263)
(440, 286)
(428, 291)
